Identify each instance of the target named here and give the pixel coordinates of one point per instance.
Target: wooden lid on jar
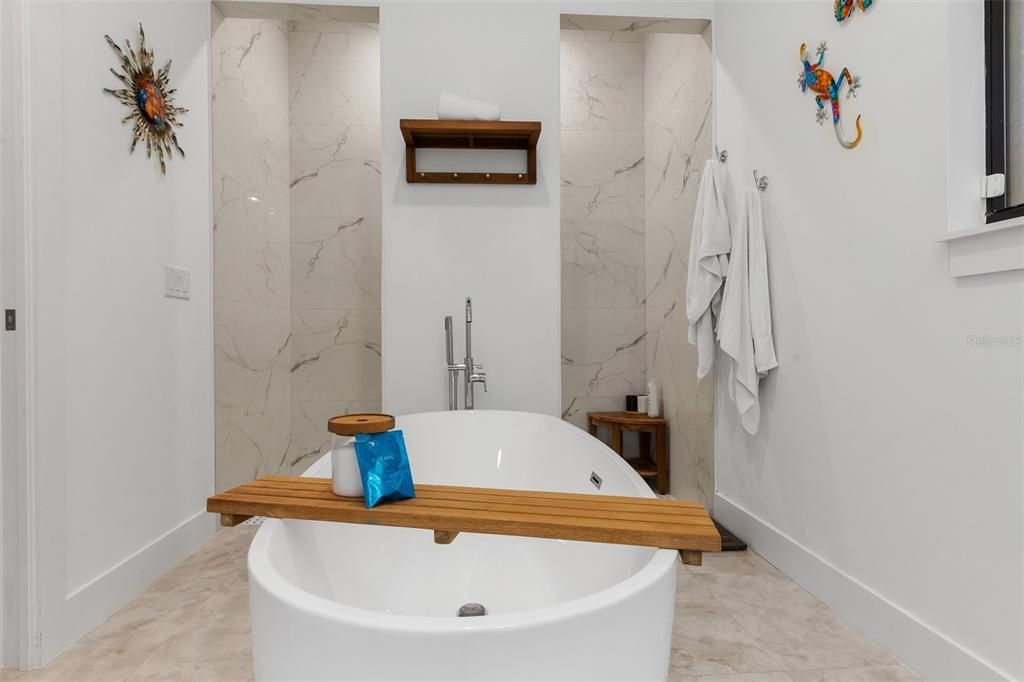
(351, 424)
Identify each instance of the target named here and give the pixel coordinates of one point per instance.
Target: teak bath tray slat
(449, 510)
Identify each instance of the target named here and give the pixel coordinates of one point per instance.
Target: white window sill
(984, 229)
(997, 247)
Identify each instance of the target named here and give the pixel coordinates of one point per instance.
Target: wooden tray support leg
(232, 520)
(691, 557)
(444, 537)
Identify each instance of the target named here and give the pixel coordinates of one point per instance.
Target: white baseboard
(928, 652)
(89, 605)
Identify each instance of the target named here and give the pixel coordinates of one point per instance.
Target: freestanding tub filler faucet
(472, 373)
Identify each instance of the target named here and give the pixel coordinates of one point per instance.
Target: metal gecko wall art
(844, 8)
(150, 98)
(826, 89)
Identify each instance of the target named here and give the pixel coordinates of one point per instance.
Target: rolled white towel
(455, 107)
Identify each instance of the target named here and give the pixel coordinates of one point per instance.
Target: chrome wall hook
(723, 155)
(760, 181)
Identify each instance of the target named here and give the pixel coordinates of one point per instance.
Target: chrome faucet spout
(472, 373)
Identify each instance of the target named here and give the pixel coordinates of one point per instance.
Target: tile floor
(738, 619)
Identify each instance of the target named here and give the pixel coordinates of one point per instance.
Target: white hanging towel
(709, 260)
(745, 327)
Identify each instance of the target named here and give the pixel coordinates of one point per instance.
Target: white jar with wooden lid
(345, 478)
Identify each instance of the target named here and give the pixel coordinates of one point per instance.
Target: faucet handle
(479, 377)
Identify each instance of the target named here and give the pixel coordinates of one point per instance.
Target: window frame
(997, 208)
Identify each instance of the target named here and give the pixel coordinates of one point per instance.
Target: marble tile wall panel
(309, 437)
(335, 170)
(677, 141)
(335, 228)
(251, 244)
(335, 262)
(252, 279)
(608, 353)
(603, 253)
(296, 237)
(602, 174)
(602, 84)
(250, 111)
(334, 77)
(603, 263)
(335, 354)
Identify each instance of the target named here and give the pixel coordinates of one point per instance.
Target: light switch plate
(177, 282)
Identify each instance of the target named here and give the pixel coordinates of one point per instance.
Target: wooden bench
(449, 510)
(647, 465)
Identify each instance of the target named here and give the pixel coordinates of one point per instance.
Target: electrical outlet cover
(177, 282)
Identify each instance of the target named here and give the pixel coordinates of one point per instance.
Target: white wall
(123, 400)
(497, 244)
(887, 472)
(13, 574)
(500, 244)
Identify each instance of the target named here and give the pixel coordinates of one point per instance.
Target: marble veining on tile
(677, 141)
(602, 85)
(603, 253)
(636, 111)
(333, 76)
(252, 273)
(335, 229)
(296, 237)
(602, 263)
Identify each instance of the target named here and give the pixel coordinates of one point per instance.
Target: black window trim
(995, 108)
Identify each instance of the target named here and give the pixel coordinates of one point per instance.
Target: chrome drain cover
(472, 609)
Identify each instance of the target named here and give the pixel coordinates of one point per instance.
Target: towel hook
(760, 181)
(723, 155)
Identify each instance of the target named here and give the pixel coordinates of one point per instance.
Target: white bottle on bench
(345, 478)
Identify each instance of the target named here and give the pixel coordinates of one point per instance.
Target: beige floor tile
(737, 620)
(213, 644)
(743, 563)
(742, 677)
(120, 645)
(706, 639)
(791, 625)
(886, 673)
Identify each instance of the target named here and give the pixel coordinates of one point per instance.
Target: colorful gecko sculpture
(844, 8)
(827, 89)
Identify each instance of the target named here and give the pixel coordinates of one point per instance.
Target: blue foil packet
(384, 467)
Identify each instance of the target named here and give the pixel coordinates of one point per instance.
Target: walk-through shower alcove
(296, 175)
(636, 106)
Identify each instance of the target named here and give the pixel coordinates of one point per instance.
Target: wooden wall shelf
(449, 134)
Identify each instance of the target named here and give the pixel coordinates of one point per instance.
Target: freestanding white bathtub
(335, 601)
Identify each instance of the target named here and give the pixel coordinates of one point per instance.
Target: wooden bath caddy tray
(449, 510)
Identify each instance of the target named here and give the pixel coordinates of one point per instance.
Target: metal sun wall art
(151, 101)
(826, 89)
(844, 8)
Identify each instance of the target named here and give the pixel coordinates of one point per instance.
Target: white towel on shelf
(745, 327)
(709, 261)
(456, 107)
